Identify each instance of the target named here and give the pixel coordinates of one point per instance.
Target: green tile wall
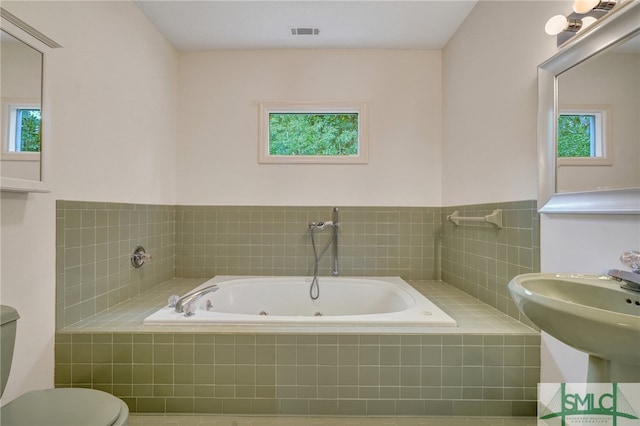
(94, 242)
(481, 259)
(378, 241)
(327, 374)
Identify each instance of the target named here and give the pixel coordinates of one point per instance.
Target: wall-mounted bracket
(495, 218)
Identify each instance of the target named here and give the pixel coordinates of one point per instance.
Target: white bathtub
(387, 301)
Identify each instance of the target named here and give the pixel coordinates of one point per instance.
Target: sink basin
(588, 312)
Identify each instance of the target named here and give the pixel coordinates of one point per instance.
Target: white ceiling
(243, 24)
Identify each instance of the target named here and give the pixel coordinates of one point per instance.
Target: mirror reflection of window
(576, 135)
(24, 128)
(598, 68)
(20, 102)
(23, 119)
(582, 135)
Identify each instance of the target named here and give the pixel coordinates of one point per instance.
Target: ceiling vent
(303, 31)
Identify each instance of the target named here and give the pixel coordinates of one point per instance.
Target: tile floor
(213, 420)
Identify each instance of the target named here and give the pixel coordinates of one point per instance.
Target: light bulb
(587, 21)
(584, 6)
(555, 25)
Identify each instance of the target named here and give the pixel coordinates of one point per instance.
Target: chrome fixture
(187, 303)
(314, 290)
(585, 13)
(631, 259)
(139, 256)
(586, 6)
(319, 226)
(559, 23)
(631, 280)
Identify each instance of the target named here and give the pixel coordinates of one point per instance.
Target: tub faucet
(185, 304)
(319, 226)
(334, 224)
(631, 279)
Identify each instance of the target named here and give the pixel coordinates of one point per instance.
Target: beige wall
(218, 126)
(490, 100)
(490, 146)
(114, 104)
(113, 97)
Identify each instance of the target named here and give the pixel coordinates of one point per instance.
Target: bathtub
(387, 301)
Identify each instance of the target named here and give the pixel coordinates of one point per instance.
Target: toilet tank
(8, 322)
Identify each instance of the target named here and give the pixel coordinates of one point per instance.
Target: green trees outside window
(27, 130)
(320, 134)
(576, 135)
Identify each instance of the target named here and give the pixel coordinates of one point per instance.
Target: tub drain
(263, 313)
(317, 314)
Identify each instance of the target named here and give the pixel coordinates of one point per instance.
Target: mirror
(22, 107)
(592, 87)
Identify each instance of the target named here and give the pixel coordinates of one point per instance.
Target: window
(582, 136)
(22, 130)
(312, 133)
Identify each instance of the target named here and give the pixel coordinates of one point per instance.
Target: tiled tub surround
(487, 366)
(95, 240)
(481, 259)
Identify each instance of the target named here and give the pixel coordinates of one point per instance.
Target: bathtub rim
(401, 322)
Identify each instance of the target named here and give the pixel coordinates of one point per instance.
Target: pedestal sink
(588, 312)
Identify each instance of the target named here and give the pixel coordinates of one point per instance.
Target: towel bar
(495, 218)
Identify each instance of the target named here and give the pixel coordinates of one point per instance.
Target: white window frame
(10, 108)
(267, 108)
(603, 141)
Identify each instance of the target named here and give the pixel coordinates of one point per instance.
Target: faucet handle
(631, 259)
(173, 299)
(139, 256)
(190, 309)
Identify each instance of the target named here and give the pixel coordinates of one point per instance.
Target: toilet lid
(53, 407)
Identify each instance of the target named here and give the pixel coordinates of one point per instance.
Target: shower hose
(314, 288)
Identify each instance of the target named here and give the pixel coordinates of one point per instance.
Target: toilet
(53, 407)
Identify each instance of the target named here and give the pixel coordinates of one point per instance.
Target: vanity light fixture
(587, 21)
(559, 23)
(585, 13)
(586, 6)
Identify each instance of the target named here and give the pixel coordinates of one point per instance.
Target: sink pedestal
(605, 371)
